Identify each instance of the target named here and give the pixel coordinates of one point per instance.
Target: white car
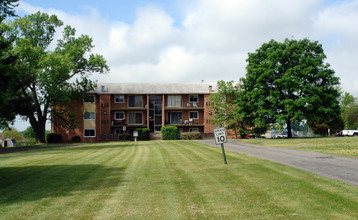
(348, 133)
(284, 135)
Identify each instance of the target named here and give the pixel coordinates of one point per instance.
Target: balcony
(122, 123)
(186, 123)
(130, 109)
(188, 106)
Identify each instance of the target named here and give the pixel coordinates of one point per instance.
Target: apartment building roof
(155, 88)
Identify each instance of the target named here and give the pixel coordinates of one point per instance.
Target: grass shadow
(67, 147)
(32, 183)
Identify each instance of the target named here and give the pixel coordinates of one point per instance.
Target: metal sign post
(135, 134)
(220, 138)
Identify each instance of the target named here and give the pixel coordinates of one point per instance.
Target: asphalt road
(331, 166)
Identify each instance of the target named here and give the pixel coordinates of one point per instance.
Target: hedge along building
(116, 108)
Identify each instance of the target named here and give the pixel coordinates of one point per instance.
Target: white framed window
(89, 132)
(135, 118)
(193, 98)
(119, 115)
(174, 101)
(193, 129)
(193, 115)
(135, 101)
(89, 115)
(89, 99)
(119, 99)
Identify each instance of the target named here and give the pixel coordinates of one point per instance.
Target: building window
(119, 116)
(89, 116)
(193, 98)
(119, 99)
(193, 129)
(135, 101)
(135, 118)
(174, 101)
(89, 99)
(175, 117)
(89, 133)
(193, 115)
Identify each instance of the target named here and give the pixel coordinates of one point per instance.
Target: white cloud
(215, 36)
(336, 29)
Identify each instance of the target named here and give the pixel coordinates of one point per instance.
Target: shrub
(124, 137)
(30, 142)
(76, 139)
(143, 134)
(169, 133)
(54, 138)
(190, 135)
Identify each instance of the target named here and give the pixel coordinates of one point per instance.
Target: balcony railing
(185, 123)
(120, 123)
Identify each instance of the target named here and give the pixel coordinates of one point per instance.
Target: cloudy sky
(194, 40)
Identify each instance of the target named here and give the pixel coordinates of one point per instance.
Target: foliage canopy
(8, 77)
(289, 81)
(349, 105)
(227, 112)
(51, 78)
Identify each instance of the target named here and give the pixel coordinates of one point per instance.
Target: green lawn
(344, 146)
(163, 180)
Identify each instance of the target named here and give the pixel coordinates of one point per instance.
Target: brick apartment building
(115, 108)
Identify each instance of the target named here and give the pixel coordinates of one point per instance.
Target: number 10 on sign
(220, 138)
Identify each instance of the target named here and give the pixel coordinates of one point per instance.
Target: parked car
(339, 133)
(284, 135)
(347, 133)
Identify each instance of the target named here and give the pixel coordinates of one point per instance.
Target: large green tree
(349, 105)
(225, 103)
(8, 78)
(289, 81)
(51, 78)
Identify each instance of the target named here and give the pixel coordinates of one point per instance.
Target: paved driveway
(331, 166)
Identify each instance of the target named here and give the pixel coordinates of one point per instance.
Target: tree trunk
(289, 132)
(42, 130)
(39, 127)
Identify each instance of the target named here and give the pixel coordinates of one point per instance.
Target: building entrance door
(155, 113)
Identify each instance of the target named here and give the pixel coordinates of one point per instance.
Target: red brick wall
(209, 128)
(105, 114)
(67, 134)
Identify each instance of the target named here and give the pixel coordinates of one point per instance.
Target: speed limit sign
(220, 135)
(220, 138)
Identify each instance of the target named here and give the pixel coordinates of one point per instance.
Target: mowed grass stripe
(192, 201)
(90, 202)
(166, 180)
(75, 178)
(127, 195)
(149, 180)
(235, 189)
(204, 179)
